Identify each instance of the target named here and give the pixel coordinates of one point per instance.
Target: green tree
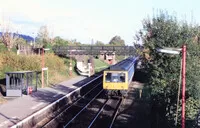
(20, 41)
(117, 41)
(74, 42)
(59, 41)
(43, 36)
(99, 43)
(164, 30)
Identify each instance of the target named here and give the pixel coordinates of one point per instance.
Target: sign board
(44, 68)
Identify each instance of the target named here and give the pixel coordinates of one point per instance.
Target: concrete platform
(17, 109)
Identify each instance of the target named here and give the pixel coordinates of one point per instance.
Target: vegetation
(164, 30)
(9, 61)
(43, 36)
(99, 65)
(60, 42)
(117, 41)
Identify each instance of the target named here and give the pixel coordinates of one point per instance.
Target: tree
(8, 38)
(74, 42)
(20, 41)
(43, 36)
(59, 41)
(117, 41)
(164, 30)
(99, 43)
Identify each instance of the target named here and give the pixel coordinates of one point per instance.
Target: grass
(120, 58)
(99, 65)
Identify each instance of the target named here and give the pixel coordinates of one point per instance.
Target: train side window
(108, 77)
(122, 77)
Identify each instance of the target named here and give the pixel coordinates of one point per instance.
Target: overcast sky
(85, 20)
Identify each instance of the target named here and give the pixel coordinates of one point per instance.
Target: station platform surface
(18, 108)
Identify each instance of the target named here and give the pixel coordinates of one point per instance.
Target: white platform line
(50, 105)
(37, 105)
(4, 123)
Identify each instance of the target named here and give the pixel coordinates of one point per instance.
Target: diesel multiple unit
(117, 78)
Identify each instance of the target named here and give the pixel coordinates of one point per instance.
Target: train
(116, 78)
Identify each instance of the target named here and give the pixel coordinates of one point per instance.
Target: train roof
(124, 64)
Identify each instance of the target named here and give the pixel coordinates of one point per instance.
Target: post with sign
(43, 68)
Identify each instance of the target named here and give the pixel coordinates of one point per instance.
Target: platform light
(169, 50)
(183, 67)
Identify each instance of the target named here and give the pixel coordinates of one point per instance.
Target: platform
(16, 109)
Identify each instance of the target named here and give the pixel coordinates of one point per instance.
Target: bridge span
(94, 50)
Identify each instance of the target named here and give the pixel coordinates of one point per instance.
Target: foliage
(9, 39)
(60, 42)
(99, 65)
(75, 43)
(99, 43)
(164, 30)
(117, 41)
(20, 41)
(3, 47)
(43, 36)
(9, 61)
(120, 57)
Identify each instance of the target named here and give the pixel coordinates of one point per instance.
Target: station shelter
(21, 82)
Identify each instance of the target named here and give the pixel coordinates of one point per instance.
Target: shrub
(9, 61)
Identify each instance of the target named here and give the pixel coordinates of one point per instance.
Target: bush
(2, 47)
(9, 61)
(164, 30)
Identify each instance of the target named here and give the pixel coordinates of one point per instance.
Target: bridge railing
(94, 50)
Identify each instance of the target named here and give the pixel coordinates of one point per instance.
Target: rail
(19, 124)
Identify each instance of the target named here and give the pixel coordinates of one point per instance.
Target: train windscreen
(115, 77)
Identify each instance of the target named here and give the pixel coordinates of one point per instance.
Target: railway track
(71, 109)
(92, 111)
(107, 114)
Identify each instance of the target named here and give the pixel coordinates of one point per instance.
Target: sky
(85, 20)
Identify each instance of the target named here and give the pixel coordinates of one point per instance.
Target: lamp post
(183, 84)
(177, 51)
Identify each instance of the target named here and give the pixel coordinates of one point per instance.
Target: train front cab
(115, 80)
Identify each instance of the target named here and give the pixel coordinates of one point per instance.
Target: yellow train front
(117, 78)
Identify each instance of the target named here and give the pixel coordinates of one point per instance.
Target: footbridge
(93, 50)
(105, 53)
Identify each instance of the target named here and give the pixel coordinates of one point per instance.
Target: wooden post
(42, 67)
